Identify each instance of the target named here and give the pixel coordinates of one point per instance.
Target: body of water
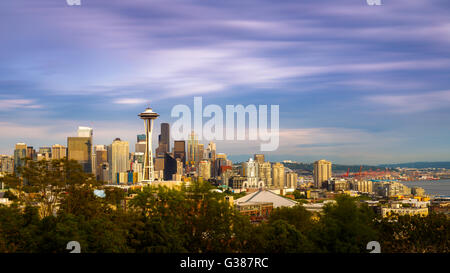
(432, 187)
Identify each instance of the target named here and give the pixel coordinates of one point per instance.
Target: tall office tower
(179, 150)
(322, 172)
(137, 165)
(139, 157)
(45, 152)
(219, 164)
(211, 151)
(6, 164)
(291, 180)
(163, 140)
(59, 151)
(221, 160)
(201, 151)
(85, 131)
(193, 156)
(204, 169)
(141, 138)
(94, 162)
(101, 163)
(170, 166)
(88, 132)
(211, 155)
(250, 170)
(20, 153)
(31, 153)
(140, 144)
(80, 149)
(221, 156)
(118, 158)
(259, 158)
(265, 173)
(225, 176)
(159, 165)
(180, 167)
(278, 175)
(149, 117)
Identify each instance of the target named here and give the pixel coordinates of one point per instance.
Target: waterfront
(431, 187)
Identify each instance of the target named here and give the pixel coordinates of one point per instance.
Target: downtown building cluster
(173, 162)
(179, 160)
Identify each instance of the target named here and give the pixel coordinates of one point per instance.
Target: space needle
(148, 116)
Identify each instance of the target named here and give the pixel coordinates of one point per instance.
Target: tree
(415, 234)
(200, 218)
(45, 182)
(18, 229)
(297, 216)
(345, 227)
(278, 236)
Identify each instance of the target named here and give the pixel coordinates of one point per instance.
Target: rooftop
(267, 196)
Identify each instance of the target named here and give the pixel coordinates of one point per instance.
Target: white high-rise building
(291, 180)
(322, 172)
(278, 176)
(250, 170)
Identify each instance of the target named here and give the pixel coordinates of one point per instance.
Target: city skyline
(356, 84)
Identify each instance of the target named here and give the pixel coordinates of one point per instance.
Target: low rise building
(398, 209)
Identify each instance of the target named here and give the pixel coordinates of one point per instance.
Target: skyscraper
(250, 170)
(204, 169)
(59, 151)
(278, 175)
(291, 180)
(88, 132)
(259, 158)
(45, 153)
(211, 151)
(85, 131)
(118, 158)
(322, 172)
(201, 151)
(221, 161)
(179, 151)
(6, 164)
(163, 140)
(141, 138)
(101, 163)
(31, 153)
(20, 153)
(140, 144)
(159, 167)
(193, 156)
(265, 173)
(170, 166)
(180, 167)
(80, 149)
(148, 172)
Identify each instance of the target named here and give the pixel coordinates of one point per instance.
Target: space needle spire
(148, 116)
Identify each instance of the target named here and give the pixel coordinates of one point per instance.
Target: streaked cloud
(342, 72)
(413, 102)
(130, 101)
(10, 104)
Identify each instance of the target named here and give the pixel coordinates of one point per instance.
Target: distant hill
(419, 165)
(308, 167)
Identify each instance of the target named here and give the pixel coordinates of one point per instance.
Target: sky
(356, 84)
